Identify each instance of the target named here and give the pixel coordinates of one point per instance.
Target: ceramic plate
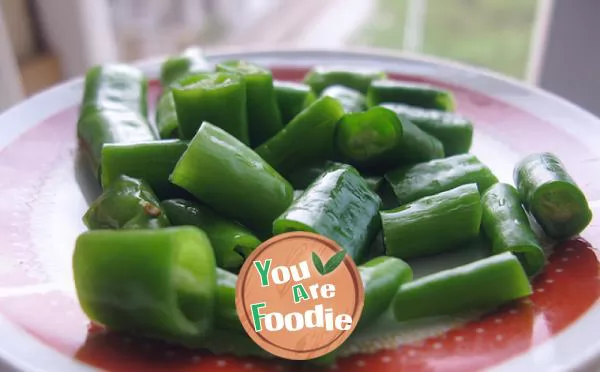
(45, 189)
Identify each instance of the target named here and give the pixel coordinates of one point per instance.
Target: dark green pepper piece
(413, 94)
(226, 315)
(218, 98)
(231, 241)
(480, 285)
(264, 119)
(158, 283)
(433, 224)
(301, 178)
(151, 161)
(507, 226)
(424, 179)
(166, 116)
(321, 77)
(292, 98)
(190, 61)
(454, 131)
(351, 100)
(128, 203)
(338, 205)
(551, 195)
(232, 179)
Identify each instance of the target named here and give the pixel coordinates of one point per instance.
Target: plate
(45, 189)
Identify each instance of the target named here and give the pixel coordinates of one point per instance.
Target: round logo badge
(299, 295)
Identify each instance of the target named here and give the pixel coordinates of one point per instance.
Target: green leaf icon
(334, 261)
(318, 263)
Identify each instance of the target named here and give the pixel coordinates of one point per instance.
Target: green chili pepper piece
(166, 116)
(151, 161)
(321, 77)
(226, 314)
(351, 100)
(388, 198)
(454, 216)
(307, 139)
(301, 178)
(507, 226)
(216, 165)
(128, 203)
(482, 284)
(218, 98)
(159, 283)
(413, 94)
(338, 205)
(292, 98)
(381, 278)
(264, 119)
(231, 241)
(551, 195)
(454, 131)
(424, 179)
(190, 61)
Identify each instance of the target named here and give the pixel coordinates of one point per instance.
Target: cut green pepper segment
(307, 139)
(507, 226)
(128, 203)
(264, 119)
(482, 285)
(434, 224)
(159, 283)
(151, 161)
(301, 178)
(226, 315)
(166, 116)
(292, 98)
(338, 205)
(424, 179)
(351, 100)
(454, 131)
(551, 195)
(413, 94)
(190, 61)
(214, 166)
(321, 77)
(381, 278)
(218, 98)
(231, 241)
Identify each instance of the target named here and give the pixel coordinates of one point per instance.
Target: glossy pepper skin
(483, 284)
(413, 94)
(351, 100)
(454, 216)
(413, 182)
(191, 60)
(307, 139)
(381, 278)
(507, 226)
(129, 203)
(321, 77)
(226, 315)
(453, 130)
(218, 98)
(378, 140)
(232, 179)
(338, 205)
(292, 98)
(158, 283)
(166, 116)
(264, 119)
(151, 161)
(551, 195)
(231, 241)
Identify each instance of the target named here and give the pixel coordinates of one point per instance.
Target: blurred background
(543, 42)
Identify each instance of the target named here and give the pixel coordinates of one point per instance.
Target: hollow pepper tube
(218, 98)
(413, 182)
(191, 60)
(352, 100)
(151, 161)
(507, 226)
(454, 216)
(158, 283)
(480, 285)
(231, 241)
(129, 203)
(306, 140)
(264, 119)
(413, 94)
(338, 205)
(321, 77)
(232, 179)
(453, 130)
(292, 98)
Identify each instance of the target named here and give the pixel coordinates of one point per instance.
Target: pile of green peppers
(234, 157)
